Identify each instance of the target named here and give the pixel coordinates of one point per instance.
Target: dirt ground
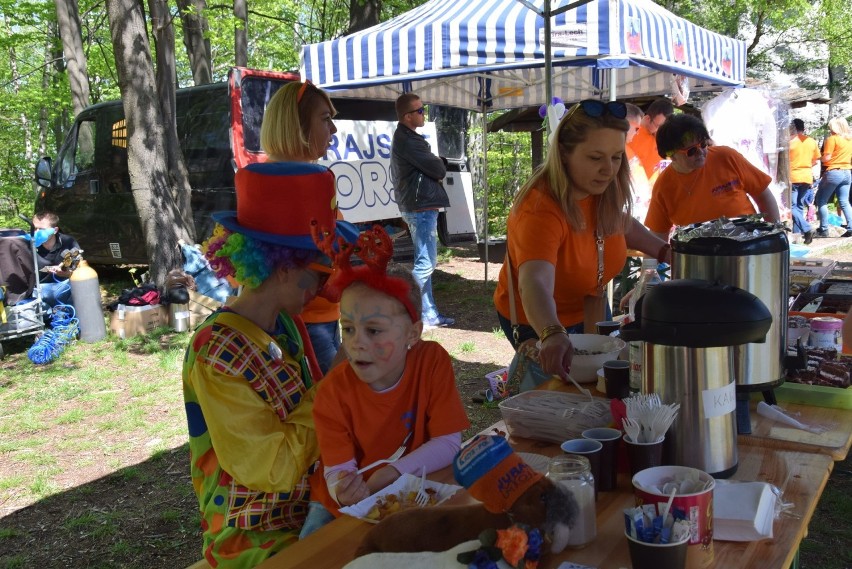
(142, 512)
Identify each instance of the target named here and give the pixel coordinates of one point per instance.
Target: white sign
(571, 34)
(719, 401)
(359, 156)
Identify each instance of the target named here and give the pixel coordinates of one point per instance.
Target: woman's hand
(555, 355)
(350, 489)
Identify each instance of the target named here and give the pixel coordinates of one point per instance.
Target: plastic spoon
(668, 505)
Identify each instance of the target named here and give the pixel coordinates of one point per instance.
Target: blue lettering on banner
(364, 183)
(359, 147)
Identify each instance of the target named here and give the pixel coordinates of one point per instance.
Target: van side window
(77, 154)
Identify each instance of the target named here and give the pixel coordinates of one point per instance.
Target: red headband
(375, 248)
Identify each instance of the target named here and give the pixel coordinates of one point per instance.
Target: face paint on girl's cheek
(385, 350)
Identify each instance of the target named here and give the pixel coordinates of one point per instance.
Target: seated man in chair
(56, 258)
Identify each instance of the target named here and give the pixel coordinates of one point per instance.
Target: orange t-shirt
(644, 145)
(719, 188)
(354, 422)
(538, 231)
(640, 184)
(803, 152)
(840, 150)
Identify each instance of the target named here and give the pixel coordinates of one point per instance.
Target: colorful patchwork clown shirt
(252, 443)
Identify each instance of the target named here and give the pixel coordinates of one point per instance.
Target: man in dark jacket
(417, 176)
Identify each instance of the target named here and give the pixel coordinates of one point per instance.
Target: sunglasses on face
(692, 150)
(418, 111)
(594, 109)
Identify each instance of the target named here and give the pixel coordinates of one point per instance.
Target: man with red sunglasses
(704, 181)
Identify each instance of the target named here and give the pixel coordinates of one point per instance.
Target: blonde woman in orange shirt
(837, 162)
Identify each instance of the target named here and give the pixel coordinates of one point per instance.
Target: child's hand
(382, 478)
(350, 489)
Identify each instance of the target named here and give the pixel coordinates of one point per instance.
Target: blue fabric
(317, 517)
(833, 181)
(423, 226)
(325, 338)
(481, 455)
(56, 292)
(799, 207)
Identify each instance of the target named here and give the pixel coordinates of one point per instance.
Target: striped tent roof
(455, 52)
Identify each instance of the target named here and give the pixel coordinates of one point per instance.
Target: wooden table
(834, 442)
(802, 477)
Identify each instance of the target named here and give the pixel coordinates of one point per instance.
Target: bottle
(649, 277)
(575, 473)
(86, 298)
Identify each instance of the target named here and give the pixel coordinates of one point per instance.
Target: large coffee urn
(690, 328)
(752, 255)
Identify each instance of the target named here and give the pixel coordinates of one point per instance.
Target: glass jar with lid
(575, 474)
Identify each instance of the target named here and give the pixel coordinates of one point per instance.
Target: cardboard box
(200, 307)
(128, 321)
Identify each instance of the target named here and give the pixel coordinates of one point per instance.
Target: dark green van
(218, 126)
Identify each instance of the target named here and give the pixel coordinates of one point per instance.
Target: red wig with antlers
(375, 248)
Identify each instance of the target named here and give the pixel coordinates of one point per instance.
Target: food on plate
(390, 503)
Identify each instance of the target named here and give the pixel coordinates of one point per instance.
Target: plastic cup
(643, 455)
(607, 327)
(607, 478)
(657, 555)
(591, 449)
(617, 378)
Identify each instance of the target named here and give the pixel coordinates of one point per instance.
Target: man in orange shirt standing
(804, 155)
(641, 186)
(644, 144)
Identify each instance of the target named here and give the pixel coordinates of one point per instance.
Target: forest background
(56, 58)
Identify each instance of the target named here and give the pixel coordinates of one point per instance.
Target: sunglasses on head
(418, 111)
(302, 90)
(692, 150)
(594, 109)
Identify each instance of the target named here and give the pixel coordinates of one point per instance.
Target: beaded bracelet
(549, 331)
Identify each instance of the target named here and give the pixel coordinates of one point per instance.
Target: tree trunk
(68, 18)
(166, 78)
(363, 14)
(192, 14)
(241, 34)
(160, 215)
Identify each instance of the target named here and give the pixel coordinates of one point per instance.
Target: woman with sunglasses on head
(704, 181)
(568, 233)
(837, 161)
(298, 127)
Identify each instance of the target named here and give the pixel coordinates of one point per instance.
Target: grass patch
(467, 347)
(43, 486)
(72, 416)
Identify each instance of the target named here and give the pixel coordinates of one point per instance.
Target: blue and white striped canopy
(459, 52)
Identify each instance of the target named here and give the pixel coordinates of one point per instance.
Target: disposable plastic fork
(422, 498)
(392, 458)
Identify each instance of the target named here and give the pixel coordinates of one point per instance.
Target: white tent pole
(548, 66)
(613, 83)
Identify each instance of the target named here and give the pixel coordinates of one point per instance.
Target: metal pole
(548, 67)
(485, 179)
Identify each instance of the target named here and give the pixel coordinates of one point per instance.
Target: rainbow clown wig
(277, 205)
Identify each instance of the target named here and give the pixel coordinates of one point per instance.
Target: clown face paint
(377, 332)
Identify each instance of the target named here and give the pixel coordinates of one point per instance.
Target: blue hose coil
(64, 327)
